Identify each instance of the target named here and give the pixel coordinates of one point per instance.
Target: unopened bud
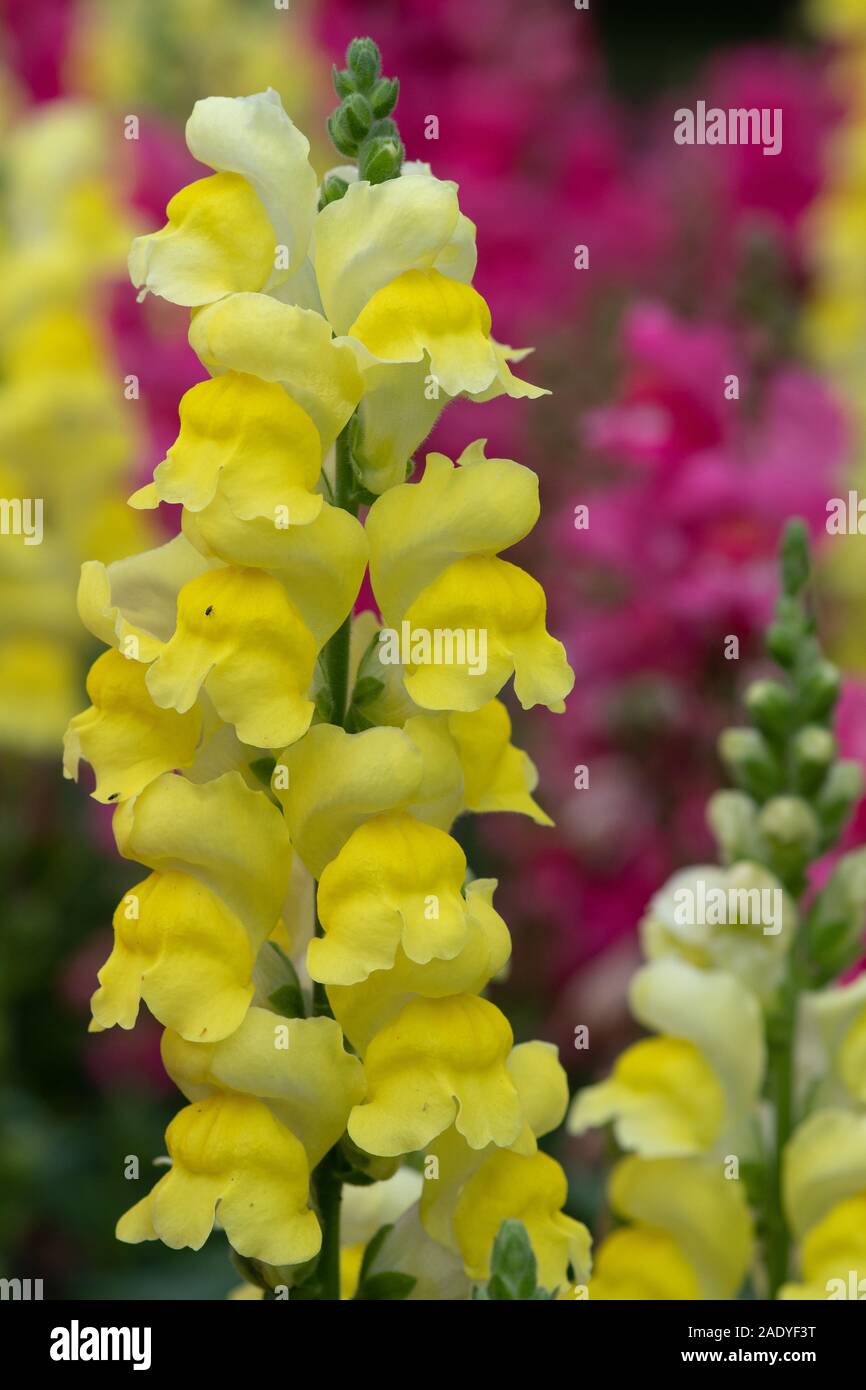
(751, 762)
(383, 97)
(340, 133)
(733, 819)
(814, 749)
(820, 690)
(357, 116)
(839, 794)
(771, 706)
(364, 61)
(792, 833)
(380, 160)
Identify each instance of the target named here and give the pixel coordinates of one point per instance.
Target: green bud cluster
(794, 795)
(361, 127)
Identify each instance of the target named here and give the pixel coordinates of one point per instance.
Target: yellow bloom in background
(691, 1233)
(693, 1089)
(68, 440)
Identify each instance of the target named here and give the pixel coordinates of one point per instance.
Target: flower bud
(343, 81)
(751, 762)
(333, 189)
(795, 556)
(792, 833)
(813, 750)
(771, 706)
(839, 794)
(820, 690)
(357, 115)
(364, 62)
(733, 820)
(380, 160)
(340, 133)
(383, 97)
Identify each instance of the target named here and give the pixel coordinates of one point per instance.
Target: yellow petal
(712, 1010)
(254, 137)
(528, 1189)
(396, 882)
(824, 1164)
(500, 613)
(639, 1263)
(239, 635)
(497, 776)
(218, 240)
(230, 1158)
(179, 948)
(297, 1066)
(705, 1213)
(229, 837)
(128, 740)
(339, 780)
(320, 564)
(836, 1247)
(132, 603)
(363, 1009)
(417, 530)
(375, 233)
(440, 1061)
(281, 342)
(248, 440)
(542, 1090)
(423, 311)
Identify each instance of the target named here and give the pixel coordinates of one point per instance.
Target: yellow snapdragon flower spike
(440, 1061)
(68, 441)
(309, 933)
(232, 1160)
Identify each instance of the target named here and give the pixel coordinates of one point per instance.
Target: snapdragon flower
(265, 759)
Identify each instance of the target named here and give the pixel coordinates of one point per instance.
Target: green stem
(337, 651)
(329, 1190)
(327, 1181)
(781, 1041)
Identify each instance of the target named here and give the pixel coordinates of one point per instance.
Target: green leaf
(374, 1245)
(264, 769)
(388, 1285)
(366, 690)
(513, 1266)
(288, 998)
